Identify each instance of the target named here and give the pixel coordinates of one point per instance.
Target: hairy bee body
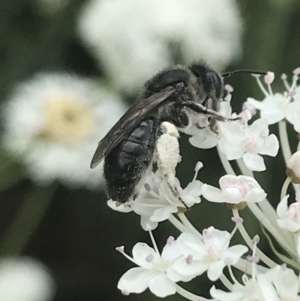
(182, 96)
(128, 161)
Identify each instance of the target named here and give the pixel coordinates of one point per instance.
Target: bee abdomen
(127, 162)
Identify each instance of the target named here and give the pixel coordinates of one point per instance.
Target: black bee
(179, 95)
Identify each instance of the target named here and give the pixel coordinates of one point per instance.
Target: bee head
(209, 85)
(179, 78)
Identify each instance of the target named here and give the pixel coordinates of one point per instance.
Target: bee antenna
(227, 74)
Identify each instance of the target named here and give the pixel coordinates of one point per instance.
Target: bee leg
(198, 108)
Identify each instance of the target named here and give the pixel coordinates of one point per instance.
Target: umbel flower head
(158, 33)
(51, 124)
(211, 252)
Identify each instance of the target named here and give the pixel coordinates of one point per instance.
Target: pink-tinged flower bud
(269, 78)
(247, 106)
(283, 76)
(293, 168)
(170, 240)
(238, 220)
(147, 187)
(198, 166)
(228, 88)
(297, 71)
(292, 93)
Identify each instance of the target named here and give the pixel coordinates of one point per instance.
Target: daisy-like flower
(211, 254)
(156, 201)
(24, 279)
(248, 142)
(155, 270)
(158, 33)
(289, 216)
(234, 190)
(53, 122)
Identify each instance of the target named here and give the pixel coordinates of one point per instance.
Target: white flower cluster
(133, 39)
(25, 279)
(193, 253)
(51, 123)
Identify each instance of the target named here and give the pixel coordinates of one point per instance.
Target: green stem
(27, 220)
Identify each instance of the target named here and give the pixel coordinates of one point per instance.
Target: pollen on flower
(238, 220)
(170, 240)
(198, 166)
(147, 187)
(67, 120)
(189, 259)
(269, 78)
(245, 115)
(149, 258)
(228, 88)
(210, 232)
(296, 71)
(254, 259)
(292, 93)
(256, 239)
(120, 249)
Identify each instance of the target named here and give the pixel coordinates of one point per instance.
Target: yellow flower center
(67, 120)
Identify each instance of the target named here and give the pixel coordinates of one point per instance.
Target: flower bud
(293, 168)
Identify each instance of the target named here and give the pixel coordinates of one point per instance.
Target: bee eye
(179, 86)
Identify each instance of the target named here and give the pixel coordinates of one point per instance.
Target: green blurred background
(73, 232)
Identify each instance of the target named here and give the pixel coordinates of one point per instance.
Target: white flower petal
(163, 213)
(288, 224)
(233, 195)
(266, 288)
(140, 252)
(254, 162)
(205, 139)
(170, 252)
(146, 223)
(190, 244)
(193, 269)
(282, 207)
(121, 208)
(255, 195)
(232, 151)
(226, 296)
(161, 286)
(193, 189)
(257, 104)
(215, 270)
(136, 280)
(219, 239)
(286, 283)
(213, 194)
(258, 126)
(271, 146)
(234, 253)
(173, 275)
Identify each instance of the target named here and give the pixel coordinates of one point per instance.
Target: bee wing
(141, 108)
